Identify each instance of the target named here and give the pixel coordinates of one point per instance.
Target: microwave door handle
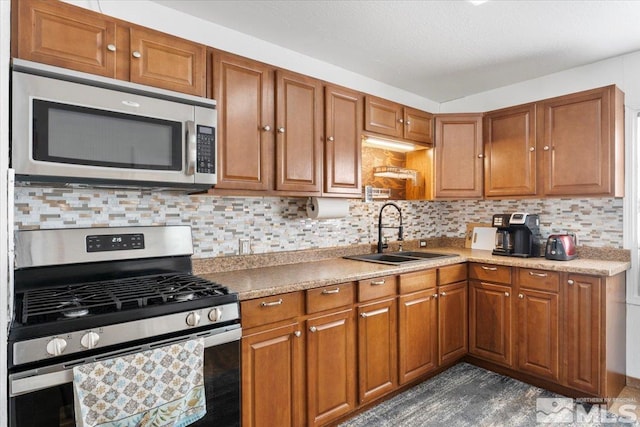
(192, 151)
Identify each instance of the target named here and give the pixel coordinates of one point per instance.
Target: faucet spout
(381, 245)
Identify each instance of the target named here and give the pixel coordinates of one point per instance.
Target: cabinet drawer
(261, 311)
(452, 273)
(490, 273)
(542, 280)
(376, 288)
(419, 281)
(330, 297)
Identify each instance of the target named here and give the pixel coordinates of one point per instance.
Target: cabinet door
(418, 125)
(510, 152)
(490, 322)
(377, 349)
(244, 90)
(582, 332)
(452, 322)
(272, 377)
(59, 34)
(298, 133)
(383, 117)
(458, 157)
(417, 334)
(343, 146)
(161, 60)
(577, 139)
(538, 345)
(331, 375)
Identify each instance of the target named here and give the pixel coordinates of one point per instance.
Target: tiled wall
(280, 224)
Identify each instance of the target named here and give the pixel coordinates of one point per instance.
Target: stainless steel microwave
(73, 127)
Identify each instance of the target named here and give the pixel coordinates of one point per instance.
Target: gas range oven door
(43, 396)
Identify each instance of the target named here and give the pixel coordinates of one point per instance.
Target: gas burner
(183, 297)
(77, 312)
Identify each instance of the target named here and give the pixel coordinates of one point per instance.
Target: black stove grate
(39, 306)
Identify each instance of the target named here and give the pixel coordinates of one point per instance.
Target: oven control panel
(114, 242)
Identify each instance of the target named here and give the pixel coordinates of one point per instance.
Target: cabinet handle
(545, 148)
(136, 54)
(489, 268)
(480, 155)
(266, 128)
(313, 329)
(297, 334)
(330, 139)
(377, 282)
(400, 121)
(520, 296)
(111, 47)
(435, 296)
(444, 294)
(532, 148)
(374, 313)
(272, 303)
(532, 273)
(280, 130)
(570, 282)
(330, 291)
(408, 122)
(506, 294)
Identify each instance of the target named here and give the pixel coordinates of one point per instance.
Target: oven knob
(56, 346)
(193, 319)
(89, 340)
(215, 314)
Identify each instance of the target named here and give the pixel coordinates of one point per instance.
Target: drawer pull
(444, 294)
(520, 296)
(377, 282)
(330, 291)
(484, 267)
(374, 313)
(533, 273)
(506, 294)
(297, 334)
(272, 303)
(313, 329)
(571, 282)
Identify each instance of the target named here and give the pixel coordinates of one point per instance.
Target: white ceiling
(441, 50)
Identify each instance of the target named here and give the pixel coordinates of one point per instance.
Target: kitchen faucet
(381, 245)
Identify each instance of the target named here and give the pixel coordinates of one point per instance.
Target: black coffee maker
(518, 235)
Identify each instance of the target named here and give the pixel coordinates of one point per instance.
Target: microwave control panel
(206, 143)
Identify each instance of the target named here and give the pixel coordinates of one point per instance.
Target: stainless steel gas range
(85, 295)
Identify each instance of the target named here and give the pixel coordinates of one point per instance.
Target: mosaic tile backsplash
(277, 224)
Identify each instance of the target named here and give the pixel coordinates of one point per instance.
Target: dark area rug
(466, 395)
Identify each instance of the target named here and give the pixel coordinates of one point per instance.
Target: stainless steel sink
(397, 258)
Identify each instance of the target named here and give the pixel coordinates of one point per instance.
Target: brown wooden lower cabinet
(272, 377)
(452, 322)
(538, 333)
(377, 349)
(417, 334)
(490, 322)
(331, 373)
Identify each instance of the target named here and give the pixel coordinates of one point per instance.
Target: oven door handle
(30, 381)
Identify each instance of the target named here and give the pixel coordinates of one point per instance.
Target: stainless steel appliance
(73, 127)
(561, 247)
(517, 235)
(83, 295)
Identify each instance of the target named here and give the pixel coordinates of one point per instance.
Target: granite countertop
(273, 280)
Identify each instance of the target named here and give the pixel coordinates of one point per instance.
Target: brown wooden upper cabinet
(572, 145)
(458, 156)
(269, 127)
(68, 36)
(391, 119)
(342, 152)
